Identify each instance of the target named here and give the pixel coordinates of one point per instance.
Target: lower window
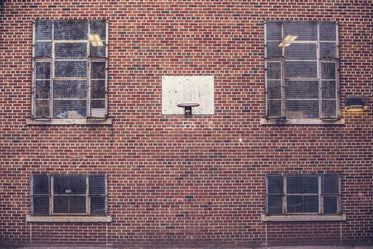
(303, 194)
(68, 194)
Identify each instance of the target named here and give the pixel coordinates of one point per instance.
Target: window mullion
(283, 82)
(51, 199)
(321, 198)
(321, 115)
(51, 100)
(89, 80)
(284, 198)
(87, 196)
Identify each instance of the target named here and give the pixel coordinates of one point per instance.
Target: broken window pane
(70, 30)
(43, 30)
(71, 50)
(98, 70)
(43, 70)
(70, 69)
(73, 109)
(302, 90)
(43, 49)
(70, 88)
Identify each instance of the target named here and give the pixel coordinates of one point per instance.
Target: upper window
(303, 194)
(69, 70)
(68, 195)
(302, 76)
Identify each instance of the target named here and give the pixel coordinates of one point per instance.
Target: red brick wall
(175, 179)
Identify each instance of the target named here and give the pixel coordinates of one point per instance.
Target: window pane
(330, 205)
(274, 204)
(273, 30)
(310, 185)
(327, 50)
(97, 184)
(274, 108)
(98, 70)
(61, 184)
(328, 31)
(70, 30)
(329, 90)
(275, 185)
(98, 89)
(294, 184)
(77, 204)
(274, 70)
(98, 103)
(42, 89)
(273, 49)
(40, 184)
(302, 90)
(77, 184)
(42, 109)
(43, 30)
(274, 89)
(306, 31)
(43, 49)
(328, 70)
(302, 109)
(98, 51)
(70, 89)
(71, 50)
(43, 70)
(70, 69)
(69, 109)
(329, 109)
(98, 205)
(301, 52)
(295, 204)
(330, 184)
(98, 27)
(311, 204)
(301, 69)
(61, 204)
(40, 205)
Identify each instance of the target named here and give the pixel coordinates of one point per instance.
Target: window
(69, 70)
(302, 70)
(68, 195)
(303, 194)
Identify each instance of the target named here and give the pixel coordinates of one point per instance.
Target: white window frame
(90, 117)
(280, 120)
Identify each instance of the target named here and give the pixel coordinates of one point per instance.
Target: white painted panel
(188, 89)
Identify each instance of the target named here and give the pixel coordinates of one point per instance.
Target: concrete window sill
(296, 218)
(82, 121)
(68, 219)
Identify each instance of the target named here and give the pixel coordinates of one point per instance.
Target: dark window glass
(73, 109)
(43, 70)
(302, 90)
(70, 89)
(41, 205)
(301, 52)
(274, 204)
(71, 50)
(43, 49)
(97, 185)
(40, 184)
(70, 69)
(98, 70)
(305, 31)
(70, 30)
(330, 205)
(43, 30)
(98, 205)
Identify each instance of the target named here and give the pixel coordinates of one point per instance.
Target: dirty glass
(43, 30)
(274, 70)
(305, 31)
(42, 108)
(273, 49)
(70, 30)
(274, 89)
(328, 90)
(43, 49)
(98, 89)
(301, 52)
(69, 204)
(302, 185)
(274, 31)
(327, 50)
(328, 31)
(328, 70)
(300, 69)
(43, 70)
(302, 90)
(71, 50)
(73, 109)
(274, 108)
(98, 70)
(70, 69)
(302, 109)
(302, 204)
(70, 89)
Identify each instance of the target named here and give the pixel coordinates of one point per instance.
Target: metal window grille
(303, 194)
(302, 70)
(70, 69)
(68, 194)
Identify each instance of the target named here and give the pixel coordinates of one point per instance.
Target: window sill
(92, 121)
(296, 218)
(68, 219)
(264, 121)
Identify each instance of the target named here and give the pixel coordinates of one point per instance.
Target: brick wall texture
(172, 179)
